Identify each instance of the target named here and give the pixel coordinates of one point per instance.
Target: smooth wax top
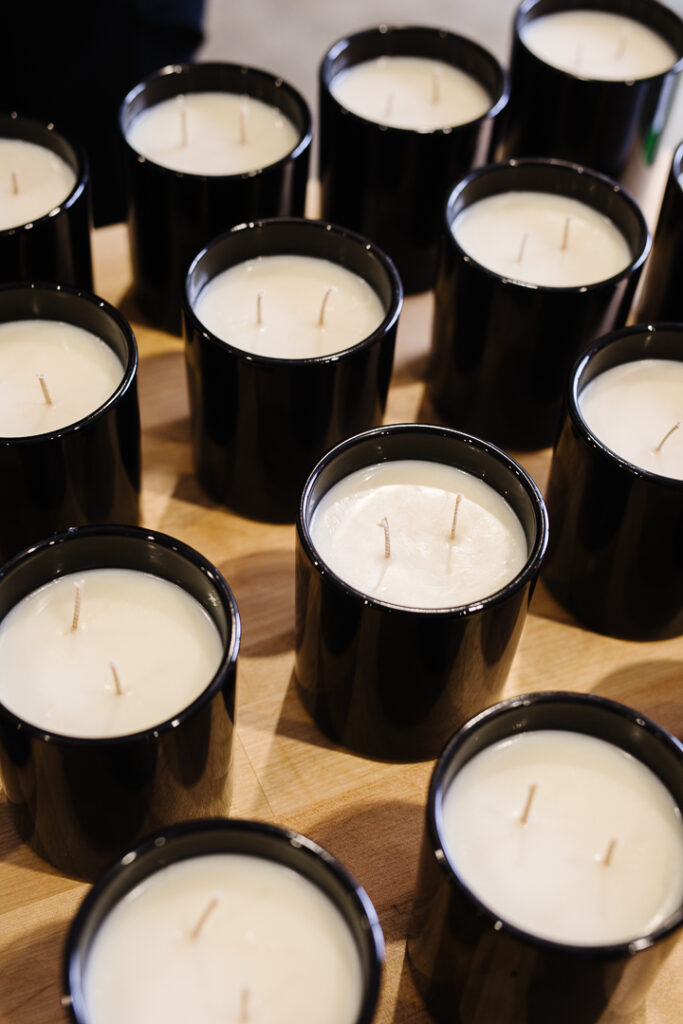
(212, 133)
(542, 238)
(545, 871)
(599, 45)
(289, 307)
(33, 181)
(410, 92)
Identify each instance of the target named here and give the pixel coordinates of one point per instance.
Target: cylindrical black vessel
(615, 559)
(80, 802)
(610, 126)
(391, 183)
(395, 682)
(55, 246)
(260, 423)
(501, 349)
(220, 836)
(172, 215)
(464, 957)
(661, 294)
(89, 471)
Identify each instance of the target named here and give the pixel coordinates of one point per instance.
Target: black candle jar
(89, 471)
(395, 682)
(172, 214)
(391, 183)
(56, 245)
(616, 557)
(214, 837)
(464, 957)
(502, 350)
(260, 423)
(611, 126)
(660, 296)
(79, 802)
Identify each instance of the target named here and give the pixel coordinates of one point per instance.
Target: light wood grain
(369, 814)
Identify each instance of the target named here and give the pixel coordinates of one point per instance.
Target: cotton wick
(522, 247)
(529, 800)
(46, 394)
(77, 608)
(436, 87)
(183, 121)
(621, 45)
(243, 125)
(15, 184)
(458, 499)
(117, 681)
(259, 308)
(667, 436)
(579, 55)
(245, 995)
(389, 106)
(565, 235)
(387, 542)
(208, 909)
(323, 305)
(607, 859)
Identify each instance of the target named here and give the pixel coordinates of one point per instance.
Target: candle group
(33, 181)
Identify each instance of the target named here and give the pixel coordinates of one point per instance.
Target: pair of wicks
(241, 125)
(563, 246)
(524, 820)
(245, 994)
(321, 315)
(384, 525)
(74, 628)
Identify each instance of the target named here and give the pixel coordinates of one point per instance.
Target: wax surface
(292, 292)
(42, 181)
(272, 935)
(426, 568)
(548, 876)
(163, 644)
(81, 373)
(410, 92)
(494, 231)
(226, 133)
(599, 45)
(631, 407)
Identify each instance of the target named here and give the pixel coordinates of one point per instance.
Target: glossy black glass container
(661, 293)
(260, 423)
(388, 183)
(80, 802)
(56, 246)
(502, 350)
(89, 471)
(395, 682)
(613, 127)
(172, 215)
(615, 558)
(468, 963)
(219, 836)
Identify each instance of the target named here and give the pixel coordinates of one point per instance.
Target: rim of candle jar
(529, 174)
(245, 242)
(634, 728)
(226, 835)
(132, 105)
(44, 133)
(650, 13)
(374, 440)
(142, 537)
(333, 63)
(605, 353)
(96, 308)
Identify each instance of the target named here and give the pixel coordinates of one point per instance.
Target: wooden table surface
(368, 814)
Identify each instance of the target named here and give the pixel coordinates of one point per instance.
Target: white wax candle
(427, 567)
(632, 407)
(212, 133)
(598, 45)
(541, 238)
(272, 948)
(548, 876)
(273, 306)
(80, 373)
(33, 181)
(161, 642)
(410, 92)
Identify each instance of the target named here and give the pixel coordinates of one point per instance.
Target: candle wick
(208, 909)
(529, 800)
(666, 437)
(323, 305)
(607, 859)
(46, 394)
(15, 184)
(389, 106)
(579, 55)
(565, 234)
(458, 499)
(183, 121)
(259, 308)
(621, 45)
(77, 608)
(117, 681)
(244, 1005)
(436, 87)
(522, 247)
(243, 125)
(387, 541)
